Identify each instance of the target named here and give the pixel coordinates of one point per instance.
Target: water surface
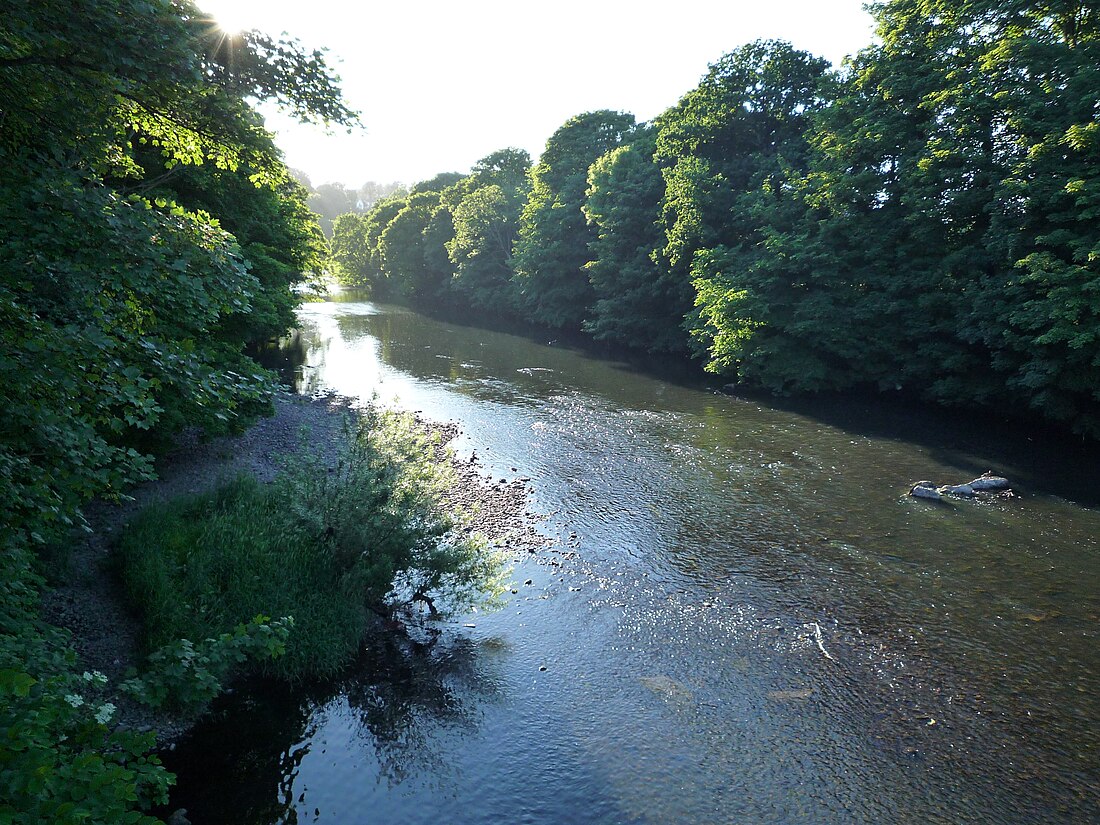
(745, 620)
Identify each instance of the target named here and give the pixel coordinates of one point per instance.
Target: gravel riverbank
(86, 599)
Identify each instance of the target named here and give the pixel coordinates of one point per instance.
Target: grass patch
(322, 545)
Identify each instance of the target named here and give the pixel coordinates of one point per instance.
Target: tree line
(923, 220)
(330, 200)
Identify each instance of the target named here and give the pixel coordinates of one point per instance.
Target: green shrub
(187, 677)
(60, 760)
(324, 545)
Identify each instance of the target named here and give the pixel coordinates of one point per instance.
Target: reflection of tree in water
(396, 333)
(404, 691)
(240, 764)
(284, 357)
(309, 355)
(353, 326)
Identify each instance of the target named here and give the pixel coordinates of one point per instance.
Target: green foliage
(552, 248)
(638, 302)
(80, 80)
(106, 305)
(507, 168)
(485, 225)
(924, 220)
(255, 66)
(404, 251)
(481, 248)
(950, 190)
(187, 676)
(124, 305)
(729, 149)
(449, 240)
(351, 255)
(437, 184)
(203, 565)
(357, 248)
(123, 313)
(60, 759)
(279, 238)
(323, 547)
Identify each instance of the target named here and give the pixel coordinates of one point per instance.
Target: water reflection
(426, 687)
(272, 754)
(284, 357)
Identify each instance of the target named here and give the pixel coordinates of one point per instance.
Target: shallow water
(745, 619)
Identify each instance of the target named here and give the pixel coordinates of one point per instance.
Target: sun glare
(231, 16)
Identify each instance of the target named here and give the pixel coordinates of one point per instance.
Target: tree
(356, 247)
(404, 252)
(371, 192)
(481, 249)
(485, 220)
(437, 183)
(350, 251)
(122, 314)
(507, 168)
(732, 150)
(960, 159)
(330, 201)
(552, 248)
(638, 302)
(1037, 309)
(111, 101)
(279, 236)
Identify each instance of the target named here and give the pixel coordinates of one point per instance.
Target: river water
(744, 619)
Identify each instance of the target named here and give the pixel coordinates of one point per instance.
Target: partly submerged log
(985, 483)
(925, 489)
(988, 482)
(964, 490)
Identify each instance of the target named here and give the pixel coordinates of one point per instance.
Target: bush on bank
(326, 547)
(61, 760)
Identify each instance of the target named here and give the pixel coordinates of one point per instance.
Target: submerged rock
(668, 688)
(789, 695)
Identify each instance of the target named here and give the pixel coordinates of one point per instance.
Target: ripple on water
(754, 623)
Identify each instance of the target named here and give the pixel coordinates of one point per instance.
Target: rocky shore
(85, 598)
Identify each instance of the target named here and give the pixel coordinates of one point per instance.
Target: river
(744, 619)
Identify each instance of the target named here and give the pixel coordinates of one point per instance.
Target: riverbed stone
(790, 695)
(668, 688)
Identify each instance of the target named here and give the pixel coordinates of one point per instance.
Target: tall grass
(323, 545)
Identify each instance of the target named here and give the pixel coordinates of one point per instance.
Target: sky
(440, 84)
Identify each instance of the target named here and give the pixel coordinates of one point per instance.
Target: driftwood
(821, 642)
(985, 483)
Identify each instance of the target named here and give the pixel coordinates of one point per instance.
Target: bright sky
(442, 83)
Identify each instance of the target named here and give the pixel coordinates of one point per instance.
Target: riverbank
(86, 599)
